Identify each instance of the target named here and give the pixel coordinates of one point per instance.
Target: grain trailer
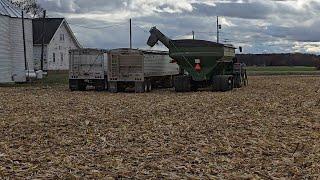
(140, 69)
(120, 69)
(88, 67)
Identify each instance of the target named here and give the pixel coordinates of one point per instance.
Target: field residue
(270, 129)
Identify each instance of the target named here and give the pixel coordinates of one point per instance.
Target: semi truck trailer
(121, 69)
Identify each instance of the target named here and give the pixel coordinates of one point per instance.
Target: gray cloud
(255, 10)
(270, 25)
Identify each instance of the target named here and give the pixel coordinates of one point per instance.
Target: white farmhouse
(58, 40)
(16, 60)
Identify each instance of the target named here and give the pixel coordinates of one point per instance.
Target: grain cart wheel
(216, 86)
(182, 83)
(194, 87)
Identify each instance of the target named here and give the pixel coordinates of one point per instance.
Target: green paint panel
(214, 58)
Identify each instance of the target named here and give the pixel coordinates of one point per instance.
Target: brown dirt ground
(268, 130)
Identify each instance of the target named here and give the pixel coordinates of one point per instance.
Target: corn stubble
(268, 130)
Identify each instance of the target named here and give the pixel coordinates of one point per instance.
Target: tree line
(295, 59)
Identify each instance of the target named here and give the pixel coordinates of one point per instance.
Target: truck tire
(140, 87)
(113, 87)
(106, 84)
(99, 85)
(182, 83)
(149, 84)
(73, 85)
(82, 85)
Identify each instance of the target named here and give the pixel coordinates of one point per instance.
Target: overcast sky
(260, 26)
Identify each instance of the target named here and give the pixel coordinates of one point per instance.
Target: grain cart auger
(203, 63)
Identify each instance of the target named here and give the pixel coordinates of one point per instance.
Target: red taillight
(198, 67)
(173, 61)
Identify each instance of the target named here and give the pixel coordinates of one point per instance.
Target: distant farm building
(58, 40)
(13, 67)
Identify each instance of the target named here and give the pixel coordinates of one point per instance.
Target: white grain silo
(12, 60)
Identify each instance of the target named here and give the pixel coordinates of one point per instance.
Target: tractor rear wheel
(238, 81)
(222, 83)
(227, 83)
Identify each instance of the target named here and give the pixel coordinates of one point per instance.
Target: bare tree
(29, 6)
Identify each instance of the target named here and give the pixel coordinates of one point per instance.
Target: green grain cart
(203, 63)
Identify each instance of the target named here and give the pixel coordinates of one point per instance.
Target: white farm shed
(13, 67)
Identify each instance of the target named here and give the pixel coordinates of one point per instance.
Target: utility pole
(218, 27)
(42, 38)
(24, 43)
(193, 35)
(130, 33)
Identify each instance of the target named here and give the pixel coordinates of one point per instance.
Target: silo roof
(9, 9)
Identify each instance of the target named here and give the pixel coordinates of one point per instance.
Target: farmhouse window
(61, 54)
(54, 57)
(61, 37)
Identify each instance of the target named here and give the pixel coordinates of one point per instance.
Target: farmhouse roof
(51, 26)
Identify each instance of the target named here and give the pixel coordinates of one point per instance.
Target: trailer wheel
(140, 87)
(149, 86)
(73, 85)
(82, 85)
(100, 85)
(145, 86)
(106, 84)
(113, 87)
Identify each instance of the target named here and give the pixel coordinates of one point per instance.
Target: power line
(102, 27)
(141, 28)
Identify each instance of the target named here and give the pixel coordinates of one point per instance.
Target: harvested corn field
(270, 129)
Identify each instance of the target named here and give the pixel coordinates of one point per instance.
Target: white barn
(58, 40)
(13, 67)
